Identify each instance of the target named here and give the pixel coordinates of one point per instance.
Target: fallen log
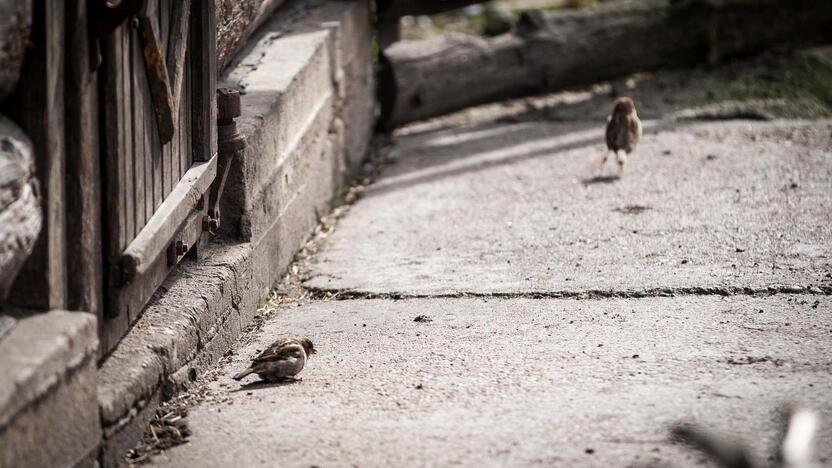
(554, 50)
(15, 24)
(399, 8)
(236, 21)
(20, 211)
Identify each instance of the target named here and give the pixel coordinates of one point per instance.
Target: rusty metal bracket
(105, 17)
(231, 144)
(157, 72)
(110, 14)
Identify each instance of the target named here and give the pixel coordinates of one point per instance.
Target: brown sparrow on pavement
(623, 131)
(282, 360)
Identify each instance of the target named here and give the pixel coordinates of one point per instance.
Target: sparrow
(623, 131)
(794, 447)
(282, 360)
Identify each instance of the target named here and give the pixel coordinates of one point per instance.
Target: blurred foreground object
(15, 25)
(553, 50)
(623, 131)
(794, 449)
(20, 212)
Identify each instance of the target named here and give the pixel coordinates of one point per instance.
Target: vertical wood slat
(129, 143)
(159, 185)
(140, 156)
(113, 90)
(114, 99)
(185, 122)
(203, 57)
(150, 137)
(164, 34)
(83, 171)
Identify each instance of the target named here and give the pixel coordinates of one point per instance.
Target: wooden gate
(159, 149)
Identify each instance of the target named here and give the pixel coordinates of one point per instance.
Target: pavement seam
(323, 294)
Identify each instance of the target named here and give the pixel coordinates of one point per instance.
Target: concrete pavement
(569, 354)
(518, 382)
(519, 208)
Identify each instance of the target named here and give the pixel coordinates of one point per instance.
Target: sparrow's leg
(606, 156)
(621, 157)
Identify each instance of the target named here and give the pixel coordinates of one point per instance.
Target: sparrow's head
(307, 345)
(624, 106)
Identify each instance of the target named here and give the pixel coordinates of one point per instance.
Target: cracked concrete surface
(520, 208)
(544, 340)
(519, 382)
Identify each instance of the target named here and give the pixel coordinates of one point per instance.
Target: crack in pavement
(323, 294)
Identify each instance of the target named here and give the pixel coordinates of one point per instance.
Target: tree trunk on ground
(236, 21)
(399, 8)
(554, 50)
(15, 24)
(20, 212)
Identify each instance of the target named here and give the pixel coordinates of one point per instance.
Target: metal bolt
(210, 224)
(181, 248)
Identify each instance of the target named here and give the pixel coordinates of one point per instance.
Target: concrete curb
(49, 379)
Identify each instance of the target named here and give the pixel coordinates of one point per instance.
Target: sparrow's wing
(634, 130)
(616, 133)
(610, 133)
(282, 350)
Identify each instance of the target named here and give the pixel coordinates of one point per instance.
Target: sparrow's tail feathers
(243, 374)
(795, 450)
(725, 452)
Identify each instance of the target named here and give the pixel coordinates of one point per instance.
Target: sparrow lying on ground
(282, 360)
(623, 131)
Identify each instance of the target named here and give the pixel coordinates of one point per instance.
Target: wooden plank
(140, 128)
(186, 153)
(176, 55)
(129, 141)
(177, 47)
(158, 196)
(204, 84)
(113, 101)
(167, 155)
(167, 148)
(83, 172)
(164, 9)
(151, 151)
(38, 107)
(182, 132)
(161, 228)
